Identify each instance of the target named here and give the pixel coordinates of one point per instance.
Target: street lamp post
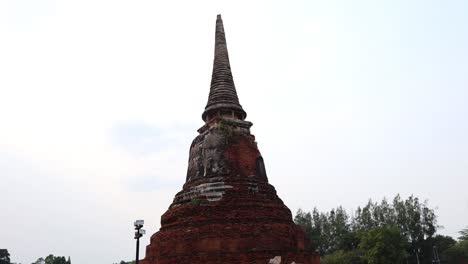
(138, 233)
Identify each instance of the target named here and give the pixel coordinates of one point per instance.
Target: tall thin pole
(138, 233)
(137, 250)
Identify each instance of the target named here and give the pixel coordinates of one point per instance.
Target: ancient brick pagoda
(227, 212)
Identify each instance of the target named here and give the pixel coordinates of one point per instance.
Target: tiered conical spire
(223, 96)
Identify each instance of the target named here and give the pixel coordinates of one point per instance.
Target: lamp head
(139, 223)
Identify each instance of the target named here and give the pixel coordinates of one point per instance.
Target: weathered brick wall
(230, 213)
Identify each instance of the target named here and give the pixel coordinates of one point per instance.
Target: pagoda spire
(227, 211)
(222, 99)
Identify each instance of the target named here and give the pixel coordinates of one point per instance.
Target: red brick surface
(249, 224)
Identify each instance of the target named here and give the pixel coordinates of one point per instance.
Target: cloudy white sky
(99, 102)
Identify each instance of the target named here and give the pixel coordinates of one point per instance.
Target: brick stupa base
(253, 227)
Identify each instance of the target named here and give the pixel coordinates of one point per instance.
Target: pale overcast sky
(100, 99)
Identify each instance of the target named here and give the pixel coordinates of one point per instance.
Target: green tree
(464, 234)
(4, 256)
(343, 257)
(339, 229)
(418, 223)
(363, 219)
(440, 244)
(414, 229)
(383, 245)
(39, 261)
(443, 242)
(458, 252)
(305, 220)
(335, 230)
(51, 259)
(317, 229)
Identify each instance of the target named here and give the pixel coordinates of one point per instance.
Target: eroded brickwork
(227, 212)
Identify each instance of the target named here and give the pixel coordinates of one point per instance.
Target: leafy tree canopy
(343, 257)
(51, 259)
(464, 235)
(4, 256)
(458, 252)
(383, 245)
(335, 235)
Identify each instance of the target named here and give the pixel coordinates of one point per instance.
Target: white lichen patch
(211, 191)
